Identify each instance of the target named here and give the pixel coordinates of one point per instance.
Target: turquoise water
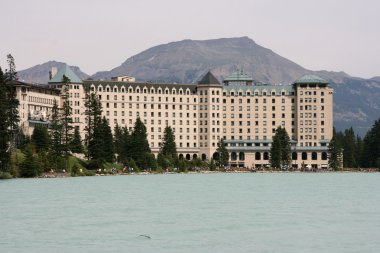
(285, 212)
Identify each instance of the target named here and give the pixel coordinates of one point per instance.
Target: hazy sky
(339, 35)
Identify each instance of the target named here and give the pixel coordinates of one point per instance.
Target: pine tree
(371, 149)
(285, 147)
(125, 154)
(359, 151)
(168, 147)
(13, 103)
(93, 129)
(280, 150)
(55, 131)
(223, 154)
(4, 133)
(76, 143)
(118, 142)
(139, 147)
(335, 153)
(275, 152)
(349, 160)
(66, 118)
(30, 167)
(40, 138)
(107, 142)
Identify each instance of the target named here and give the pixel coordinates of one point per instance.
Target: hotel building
(242, 112)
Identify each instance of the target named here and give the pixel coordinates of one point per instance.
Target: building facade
(242, 112)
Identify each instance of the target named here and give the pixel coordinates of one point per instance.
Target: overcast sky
(338, 35)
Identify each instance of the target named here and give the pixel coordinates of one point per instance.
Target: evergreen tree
(359, 151)
(76, 143)
(335, 153)
(223, 154)
(371, 149)
(118, 142)
(126, 146)
(276, 152)
(66, 118)
(30, 167)
(139, 147)
(349, 151)
(280, 149)
(40, 138)
(107, 142)
(285, 146)
(168, 147)
(55, 131)
(4, 133)
(163, 161)
(12, 111)
(93, 128)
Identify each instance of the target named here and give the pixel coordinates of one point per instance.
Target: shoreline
(67, 175)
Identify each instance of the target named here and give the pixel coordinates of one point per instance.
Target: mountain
(40, 73)
(356, 100)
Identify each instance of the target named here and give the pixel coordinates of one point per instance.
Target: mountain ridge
(188, 60)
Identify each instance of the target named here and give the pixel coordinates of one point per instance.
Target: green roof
(65, 70)
(238, 76)
(311, 79)
(260, 88)
(209, 78)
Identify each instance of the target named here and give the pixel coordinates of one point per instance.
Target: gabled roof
(310, 79)
(65, 70)
(209, 78)
(238, 76)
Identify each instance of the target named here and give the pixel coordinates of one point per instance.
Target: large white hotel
(242, 112)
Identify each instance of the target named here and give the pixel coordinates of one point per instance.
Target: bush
(89, 173)
(5, 175)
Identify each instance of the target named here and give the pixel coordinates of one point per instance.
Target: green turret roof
(65, 70)
(209, 78)
(238, 76)
(310, 79)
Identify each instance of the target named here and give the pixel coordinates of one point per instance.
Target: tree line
(51, 145)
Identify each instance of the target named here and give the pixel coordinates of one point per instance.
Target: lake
(256, 212)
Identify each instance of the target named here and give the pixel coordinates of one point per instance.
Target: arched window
(115, 89)
(233, 156)
(108, 89)
(266, 156)
(294, 156)
(159, 91)
(130, 90)
(100, 88)
(241, 156)
(188, 157)
(152, 91)
(204, 157)
(195, 156)
(324, 156)
(166, 91)
(138, 90)
(122, 89)
(257, 156)
(174, 91)
(215, 156)
(187, 92)
(180, 156)
(314, 156)
(304, 156)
